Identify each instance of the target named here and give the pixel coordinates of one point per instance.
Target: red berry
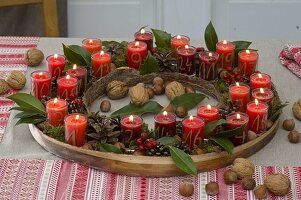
(143, 136)
(141, 147)
(139, 141)
(225, 76)
(153, 50)
(235, 72)
(149, 145)
(237, 78)
(200, 49)
(154, 143)
(229, 69)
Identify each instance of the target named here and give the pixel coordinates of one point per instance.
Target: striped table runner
(49, 179)
(12, 51)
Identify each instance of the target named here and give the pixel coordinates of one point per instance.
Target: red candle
(258, 116)
(193, 130)
(260, 80)
(208, 113)
(101, 64)
(208, 65)
(247, 62)
(179, 41)
(145, 36)
(40, 84)
(225, 49)
(56, 110)
(92, 45)
(75, 129)
(239, 95)
(165, 124)
(56, 65)
(186, 60)
(81, 75)
(131, 127)
(263, 94)
(235, 120)
(67, 87)
(136, 54)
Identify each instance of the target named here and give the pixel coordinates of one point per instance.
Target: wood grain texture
(51, 27)
(4, 3)
(144, 165)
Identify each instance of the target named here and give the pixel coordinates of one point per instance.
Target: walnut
(117, 89)
(212, 188)
(260, 192)
(4, 87)
(278, 184)
(243, 167)
(174, 89)
(34, 57)
(139, 95)
(186, 189)
(297, 109)
(16, 79)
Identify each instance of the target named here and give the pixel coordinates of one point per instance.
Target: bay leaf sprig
(188, 100)
(150, 65)
(77, 55)
(163, 40)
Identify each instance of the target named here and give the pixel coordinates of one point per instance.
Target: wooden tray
(145, 165)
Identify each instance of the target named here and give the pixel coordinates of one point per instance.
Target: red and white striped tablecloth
(12, 51)
(49, 179)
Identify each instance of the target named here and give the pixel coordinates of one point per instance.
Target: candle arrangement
(75, 129)
(67, 87)
(235, 120)
(193, 130)
(208, 113)
(260, 80)
(247, 62)
(258, 113)
(81, 75)
(56, 111)
(131, 127)
(225, 49)
(40, 84)
(179, 41)
(136, 54)
(145, 36)
(239, 95)
(101, 64)
(208, 65)
(186, 59)
(165, 124)
(92, 45)
(56, 65)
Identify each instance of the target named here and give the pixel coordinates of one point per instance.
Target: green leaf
(212, 125)
(152, 134)
(225, 143)
(21, 109)
(188, 100)
(276, 108)
(30, 120)
(183, 161)
(163, 39)
(28, 101)
(150, 65)
(232, 132)
(108, 148)
(133, 144)
(210, 37)
(149, 107)
(77, 55)
(240, 45)
(26, 114)
(167, 140)
(143, 27)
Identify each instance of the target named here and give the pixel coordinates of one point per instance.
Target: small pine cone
(159, 150)
(183, 146)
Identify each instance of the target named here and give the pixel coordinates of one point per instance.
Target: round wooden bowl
(144, 165)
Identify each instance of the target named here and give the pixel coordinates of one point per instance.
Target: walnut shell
(34, 57)
(16, 80)
(297, 109)
(278, 184)
(4, 87)
(243, 167)
(117, 89)
(174, 89)
(139, 95)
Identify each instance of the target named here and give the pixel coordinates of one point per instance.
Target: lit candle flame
(178, 37)
(186, 46)
(225, 42)
(259, 76)
(76, 117)
(164, 113)
(40, 74)
(102, 52)
(237, 116)
(55, 56)
(256, 102)
(68, 76)
(237, 84)
(208, 107)
(136, 44)
(74, 66)
(55, 100)
(261, 90)
(90, 41)
(142, 31)
(191, 118)
(210, 54)
(248, 51)
(131, 118)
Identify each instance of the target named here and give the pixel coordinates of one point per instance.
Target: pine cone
(226, 110)
(76, 106)
(159, 150)
(53, 90)
(166, 61)
(117, 51)
(183, 146)
(45, 99)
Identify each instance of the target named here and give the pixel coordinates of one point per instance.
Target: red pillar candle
(258, 116)
(81, 75)
(92, 45)
(239, 95)
(56, 110)
(247, 62)
(263, 94)
(260, 80)
(225, 49)
(145, 36)
(208, 65)
(186, 60)
(235, 120)
(131, 127)
(101, 64)
(75, 129)
(40, 84)
(56, 65)
(193, 130)
(208, 113)
(179, 41)
(136, 54)
(165, 124)
(67, 87)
